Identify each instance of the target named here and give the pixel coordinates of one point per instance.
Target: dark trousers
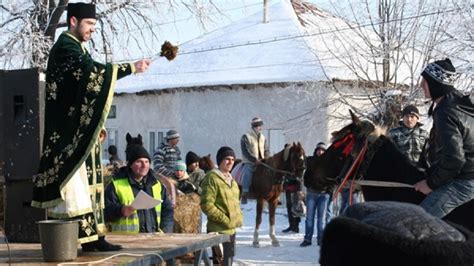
(292, 220)
(224, 255)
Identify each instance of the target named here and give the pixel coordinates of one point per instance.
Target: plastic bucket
(59, 239)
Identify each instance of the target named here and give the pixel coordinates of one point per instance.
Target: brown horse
(267, 183)
(206, 163)
(360, 150)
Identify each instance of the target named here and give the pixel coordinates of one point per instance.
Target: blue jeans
(345, 199)
(247, 172)
(315, 202)
(446, 198)
(329, 210)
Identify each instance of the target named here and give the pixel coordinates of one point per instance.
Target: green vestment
(79, 94)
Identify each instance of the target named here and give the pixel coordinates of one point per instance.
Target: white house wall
(210, 118)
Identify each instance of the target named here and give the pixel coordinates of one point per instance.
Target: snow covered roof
(292, 46)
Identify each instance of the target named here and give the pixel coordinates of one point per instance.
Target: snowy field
(289, 252)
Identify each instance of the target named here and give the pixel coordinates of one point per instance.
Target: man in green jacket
(220, 202)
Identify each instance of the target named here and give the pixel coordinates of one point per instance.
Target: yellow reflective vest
(124, 192)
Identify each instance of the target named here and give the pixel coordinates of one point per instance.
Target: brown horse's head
(206, 163)
(295, 159)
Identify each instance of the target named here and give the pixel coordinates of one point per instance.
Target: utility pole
(265, 11)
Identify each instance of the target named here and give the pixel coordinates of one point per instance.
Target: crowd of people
(71, 168)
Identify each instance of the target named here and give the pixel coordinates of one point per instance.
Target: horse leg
(271, 216)
(258, 221)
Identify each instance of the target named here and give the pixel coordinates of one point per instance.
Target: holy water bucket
(59, 239)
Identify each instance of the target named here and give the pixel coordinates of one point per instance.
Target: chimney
(265, 11)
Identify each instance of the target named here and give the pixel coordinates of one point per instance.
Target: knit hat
(180, 165)
(440, 76)
(321, 145)
(135, 152)
(80, 11)
(224, 152)
(256, 122)
(112, 149)
(411, 110)
(172, 134)
(394, 233)
(191, 157)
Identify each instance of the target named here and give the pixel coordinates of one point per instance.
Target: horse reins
(356, 165)
(277, 170)
(353, 169)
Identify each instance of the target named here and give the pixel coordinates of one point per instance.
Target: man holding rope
(254, 148)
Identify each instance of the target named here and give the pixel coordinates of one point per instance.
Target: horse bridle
(284, 172)
(359, 167)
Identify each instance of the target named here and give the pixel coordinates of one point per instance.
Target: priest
(78, 97)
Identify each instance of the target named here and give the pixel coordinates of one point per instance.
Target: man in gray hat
(254, 148)
(166, 155)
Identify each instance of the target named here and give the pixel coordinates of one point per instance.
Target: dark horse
(382, 161)
(267, 183)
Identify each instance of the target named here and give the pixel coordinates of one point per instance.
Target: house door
(276, 140)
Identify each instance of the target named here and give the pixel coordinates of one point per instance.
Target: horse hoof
(275, 243)
(256, 245)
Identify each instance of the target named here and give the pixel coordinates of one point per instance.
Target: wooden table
(140, 249)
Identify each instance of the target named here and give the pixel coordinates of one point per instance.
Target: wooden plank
(137, 249)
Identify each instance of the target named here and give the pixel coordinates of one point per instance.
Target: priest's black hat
(80, 10)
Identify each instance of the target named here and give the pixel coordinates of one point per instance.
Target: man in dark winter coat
(450, 176)
(409, 136)
(121, 192)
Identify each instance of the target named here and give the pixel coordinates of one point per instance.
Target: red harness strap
(349, 140)
(352, 170)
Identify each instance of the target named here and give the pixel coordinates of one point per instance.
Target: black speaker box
(21, 129)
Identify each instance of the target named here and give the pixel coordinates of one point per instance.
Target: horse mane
(378, 132)
(206, 163)
(286, 151)
(371, 130)
(283, 155)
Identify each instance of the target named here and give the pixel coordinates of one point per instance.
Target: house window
(112, 139)
(112, 112)
(155, 138)
(276, 140)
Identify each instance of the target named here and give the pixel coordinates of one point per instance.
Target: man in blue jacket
(121, 192)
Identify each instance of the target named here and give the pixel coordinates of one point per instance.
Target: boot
(287, 230)
(100, 245)
(243, 198)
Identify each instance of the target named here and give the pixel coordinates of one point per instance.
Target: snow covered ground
(289, 252)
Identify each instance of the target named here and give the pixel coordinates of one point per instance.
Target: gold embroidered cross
(78, 74)
(54, 137)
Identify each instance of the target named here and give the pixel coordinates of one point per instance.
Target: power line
(278, 39)
(290, 37)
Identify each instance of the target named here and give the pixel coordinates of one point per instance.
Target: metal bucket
(59, 239)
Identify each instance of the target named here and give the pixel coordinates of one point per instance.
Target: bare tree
(384, 45)
(28, 28)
